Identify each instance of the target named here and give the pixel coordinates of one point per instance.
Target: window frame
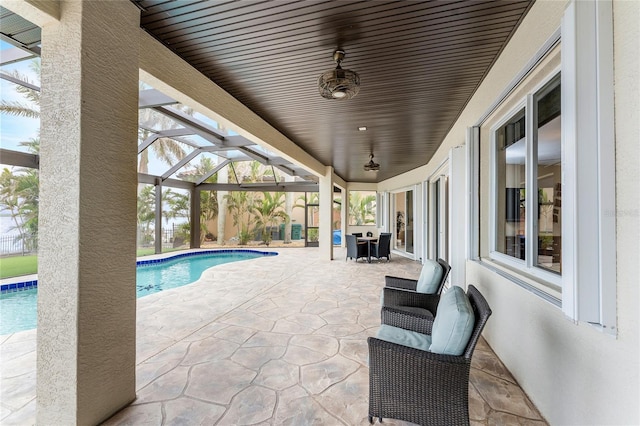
(526, 266)
(589, 274)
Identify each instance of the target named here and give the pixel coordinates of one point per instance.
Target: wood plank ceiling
(419, 63)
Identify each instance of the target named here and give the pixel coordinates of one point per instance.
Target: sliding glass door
(403, 212)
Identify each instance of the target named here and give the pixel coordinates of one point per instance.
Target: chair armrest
(441, 360)
(398, 282)
(396, 297)
(407, 320)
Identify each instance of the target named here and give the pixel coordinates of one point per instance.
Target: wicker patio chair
(356, 250)
(409, 310)
(410, 284)
(404, 307)
(420, 386)
(382, 248)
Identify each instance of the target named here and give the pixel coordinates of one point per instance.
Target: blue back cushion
(453, 324)
(430, 277)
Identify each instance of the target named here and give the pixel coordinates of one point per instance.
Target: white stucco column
(87, 236)
(326, 214)
(344, 216)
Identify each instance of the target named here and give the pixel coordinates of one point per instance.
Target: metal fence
(171, 237)
(11, 244)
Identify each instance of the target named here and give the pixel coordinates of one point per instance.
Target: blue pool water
(18, 309)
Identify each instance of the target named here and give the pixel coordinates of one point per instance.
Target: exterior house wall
(574, 373)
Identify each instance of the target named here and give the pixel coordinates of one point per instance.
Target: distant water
(6, 225)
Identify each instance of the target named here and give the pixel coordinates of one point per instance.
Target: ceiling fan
(371, 166)
(339, 83)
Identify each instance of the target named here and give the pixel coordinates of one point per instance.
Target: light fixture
(362, 128)
(339, 83)
(371, 166)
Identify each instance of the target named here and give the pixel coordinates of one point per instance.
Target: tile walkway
(270, 341)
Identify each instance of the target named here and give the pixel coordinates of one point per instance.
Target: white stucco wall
(574, 373)
(86, 255)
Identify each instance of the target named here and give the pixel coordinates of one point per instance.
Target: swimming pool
(18, 308)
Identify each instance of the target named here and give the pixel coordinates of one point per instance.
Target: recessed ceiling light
(362, 128)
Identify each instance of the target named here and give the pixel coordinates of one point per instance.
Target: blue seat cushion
(453, 324)
(404, 337)
(430, 277)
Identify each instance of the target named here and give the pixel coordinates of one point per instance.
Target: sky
(14, 130)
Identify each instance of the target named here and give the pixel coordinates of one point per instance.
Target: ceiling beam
(193, 154)
(14, 54)
(17, 81)
(261, 187)
(149, 98)
(20, 159)
(212, 172)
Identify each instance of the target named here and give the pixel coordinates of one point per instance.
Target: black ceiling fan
(371, 166)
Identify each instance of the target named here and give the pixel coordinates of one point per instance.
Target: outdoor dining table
(369, 240)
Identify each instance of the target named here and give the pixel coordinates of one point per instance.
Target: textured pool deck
(270, 341)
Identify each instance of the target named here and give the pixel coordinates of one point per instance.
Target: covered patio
(265, 341)
(507, 139)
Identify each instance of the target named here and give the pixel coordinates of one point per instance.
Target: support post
(195, 218)
(86, 330)
(325, 233)
(158, 217)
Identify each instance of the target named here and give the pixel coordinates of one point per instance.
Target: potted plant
(399, 223)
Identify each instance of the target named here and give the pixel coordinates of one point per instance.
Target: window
(527, 160)
(362, 208)
(552, 134)
(511, 181)
(548, 178)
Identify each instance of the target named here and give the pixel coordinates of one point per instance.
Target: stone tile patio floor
(271, 341)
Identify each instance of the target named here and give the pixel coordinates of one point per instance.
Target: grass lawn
(18, 265)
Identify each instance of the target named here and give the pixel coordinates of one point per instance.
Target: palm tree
(288, 208)
(28, 189)
(208, 199)
(146, 212)
(19, 109)
(20, 187)
(240, 204)
(267, 211)
(165, 149)
(362, 209)
(307, 198)
(178, 205)
(20, 196)
(223, 177)
(10, 200)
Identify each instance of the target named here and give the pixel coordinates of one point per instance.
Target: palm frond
(18, 109)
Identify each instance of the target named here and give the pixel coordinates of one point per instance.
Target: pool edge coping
(29, 282)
